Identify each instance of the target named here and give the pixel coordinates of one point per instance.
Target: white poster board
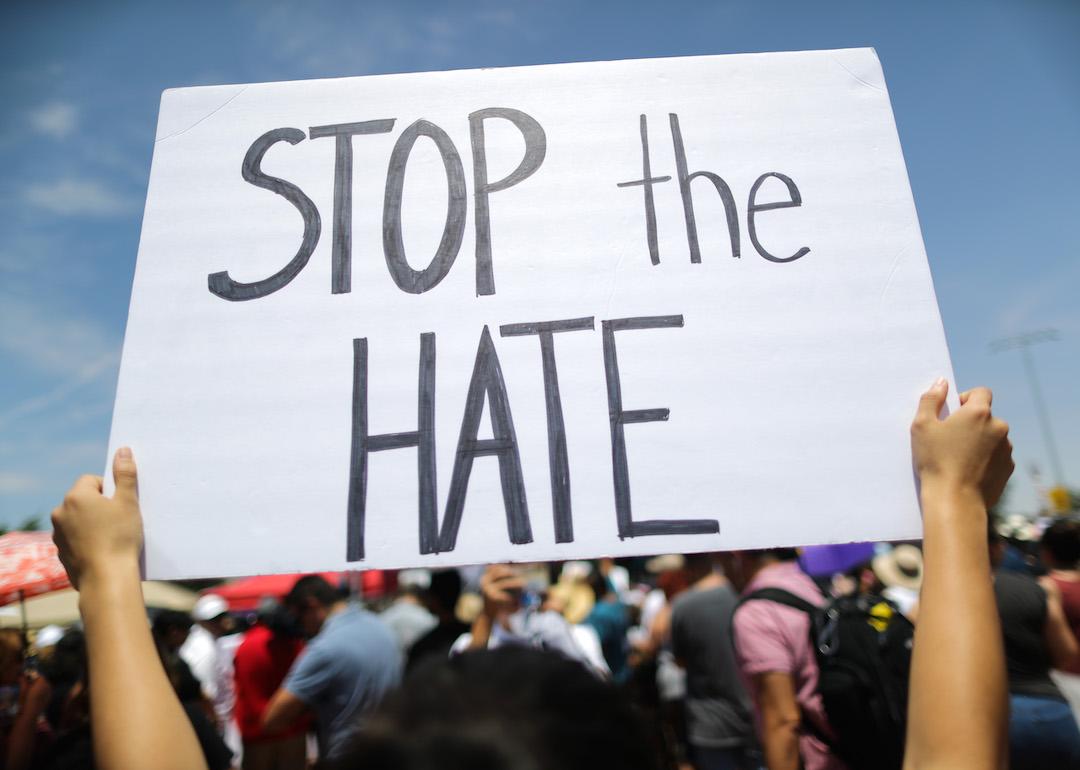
(439, 318)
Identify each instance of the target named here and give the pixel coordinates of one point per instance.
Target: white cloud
(11, 483)
(49, 340)
(86, 197)
(332, 41)
(501, 16)
(76, 379)
(56, 119)
(1043, 300)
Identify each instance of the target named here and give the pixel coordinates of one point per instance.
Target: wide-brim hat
(668, 562)
(902, 567)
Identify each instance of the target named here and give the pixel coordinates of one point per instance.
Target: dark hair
(510, 708)
(1062, 542)
(63, 670)
(166, 620)
(67, 664)
(311, 587)
(780, 554)
(445, 588)
(598, 583)
(698, 562)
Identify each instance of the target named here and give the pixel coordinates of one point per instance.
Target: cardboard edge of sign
(849, 59)
(852, 60)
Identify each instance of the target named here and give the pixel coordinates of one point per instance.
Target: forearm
(282, 712)
(20, 748)
(958, 701)
(781, 747)
(481, 631)
(136, 714)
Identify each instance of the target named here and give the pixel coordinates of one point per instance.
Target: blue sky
(986, 96)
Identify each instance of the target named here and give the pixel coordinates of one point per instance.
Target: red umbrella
(29, 566)
(243, 594)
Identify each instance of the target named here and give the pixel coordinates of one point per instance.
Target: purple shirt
(770, 637)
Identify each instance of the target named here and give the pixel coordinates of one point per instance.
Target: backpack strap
(788, 599)
(780, 596)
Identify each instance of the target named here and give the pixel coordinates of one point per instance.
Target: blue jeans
(1042, 734)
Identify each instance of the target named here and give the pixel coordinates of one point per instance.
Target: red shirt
(1070, 600)
(261, 663)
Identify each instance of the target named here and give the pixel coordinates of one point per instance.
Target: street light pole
(1024, 342)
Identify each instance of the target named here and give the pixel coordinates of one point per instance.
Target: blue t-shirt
(611, 621)
(345, 672)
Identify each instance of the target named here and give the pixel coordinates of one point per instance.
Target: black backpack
(863, 648)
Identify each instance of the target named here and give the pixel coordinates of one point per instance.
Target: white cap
(209, 607)
(415, 578)
(48, 636)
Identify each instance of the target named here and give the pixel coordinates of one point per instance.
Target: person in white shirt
(208, 652)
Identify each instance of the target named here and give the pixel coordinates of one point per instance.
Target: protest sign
(523, 314)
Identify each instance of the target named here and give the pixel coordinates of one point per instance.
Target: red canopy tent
(29, 566)
(243, 594)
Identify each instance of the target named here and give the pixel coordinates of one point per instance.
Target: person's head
(171, 628)
(599, 585)
(1061, 545)
(443, 592)
(741, 566)
(276, 616)
(697, 566)
(901, 567)
(212, 613)
(311, 601)
(67, 672)
(510, 708)
(11, 655)
(67, 664)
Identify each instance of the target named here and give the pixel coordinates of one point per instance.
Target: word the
(648, 180)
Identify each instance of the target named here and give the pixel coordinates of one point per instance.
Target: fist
(967, 451)
(94, 533)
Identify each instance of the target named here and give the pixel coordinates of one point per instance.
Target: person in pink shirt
(777, 663)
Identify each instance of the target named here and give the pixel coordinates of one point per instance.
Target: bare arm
(1063, 647)
(135, 712)
(501, 585)
(282, 711)
(660, 631)
(20, 749)
(957, 708)
(774, 692)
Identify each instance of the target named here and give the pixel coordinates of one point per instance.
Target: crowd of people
(960, 653)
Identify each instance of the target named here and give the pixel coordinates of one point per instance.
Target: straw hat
(902, 566)
(666, 563)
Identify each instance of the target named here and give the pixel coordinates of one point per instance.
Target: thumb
(125, 476)
(933, 400)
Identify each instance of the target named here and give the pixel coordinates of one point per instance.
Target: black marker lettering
(795, 200)
(487, 379)
(558, 463)
(423, 438)
(688, 199)
(407, 279)
(647, 181)
(341, 258)
(535, 151)
(224, 286)
(619, 418)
